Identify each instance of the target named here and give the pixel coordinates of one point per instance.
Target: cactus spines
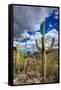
(44, 52)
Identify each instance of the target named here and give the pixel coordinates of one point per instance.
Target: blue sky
(30, 24)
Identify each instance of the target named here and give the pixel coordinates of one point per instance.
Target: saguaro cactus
(18, 50)
(44, 52)
(25, 58)
(18, 57)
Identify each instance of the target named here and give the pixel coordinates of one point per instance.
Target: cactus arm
(51, 46)
(43, 39)
(37, 45)
(43, 54)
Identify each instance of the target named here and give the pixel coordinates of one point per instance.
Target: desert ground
(28, 70)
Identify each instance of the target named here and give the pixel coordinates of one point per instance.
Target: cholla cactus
(44, 52)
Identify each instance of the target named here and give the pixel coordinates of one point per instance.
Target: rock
(36, 80)
(29, 81)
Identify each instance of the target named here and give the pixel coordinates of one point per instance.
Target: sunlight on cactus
(19, 57)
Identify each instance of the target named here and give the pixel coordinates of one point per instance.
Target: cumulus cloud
(29, 18)
(25, 34)
(52, 34)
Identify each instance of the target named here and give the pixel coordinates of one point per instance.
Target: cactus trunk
(43, 67)
(43, 54)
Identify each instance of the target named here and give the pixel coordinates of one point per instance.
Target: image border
(10, 43)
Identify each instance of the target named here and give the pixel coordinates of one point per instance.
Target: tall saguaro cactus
(44, 52)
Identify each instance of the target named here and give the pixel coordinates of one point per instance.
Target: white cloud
(56, 12)
(56, 17)
(35, 36)
(50, 25)
(52, 34)
(37, 27)
(31, 45)
(14, 43)
(25, 34)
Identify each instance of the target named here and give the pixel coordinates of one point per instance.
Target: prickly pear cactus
(44, 52)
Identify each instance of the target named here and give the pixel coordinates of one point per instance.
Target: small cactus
(44, 52)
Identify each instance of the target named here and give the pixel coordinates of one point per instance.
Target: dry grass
(34, 70)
